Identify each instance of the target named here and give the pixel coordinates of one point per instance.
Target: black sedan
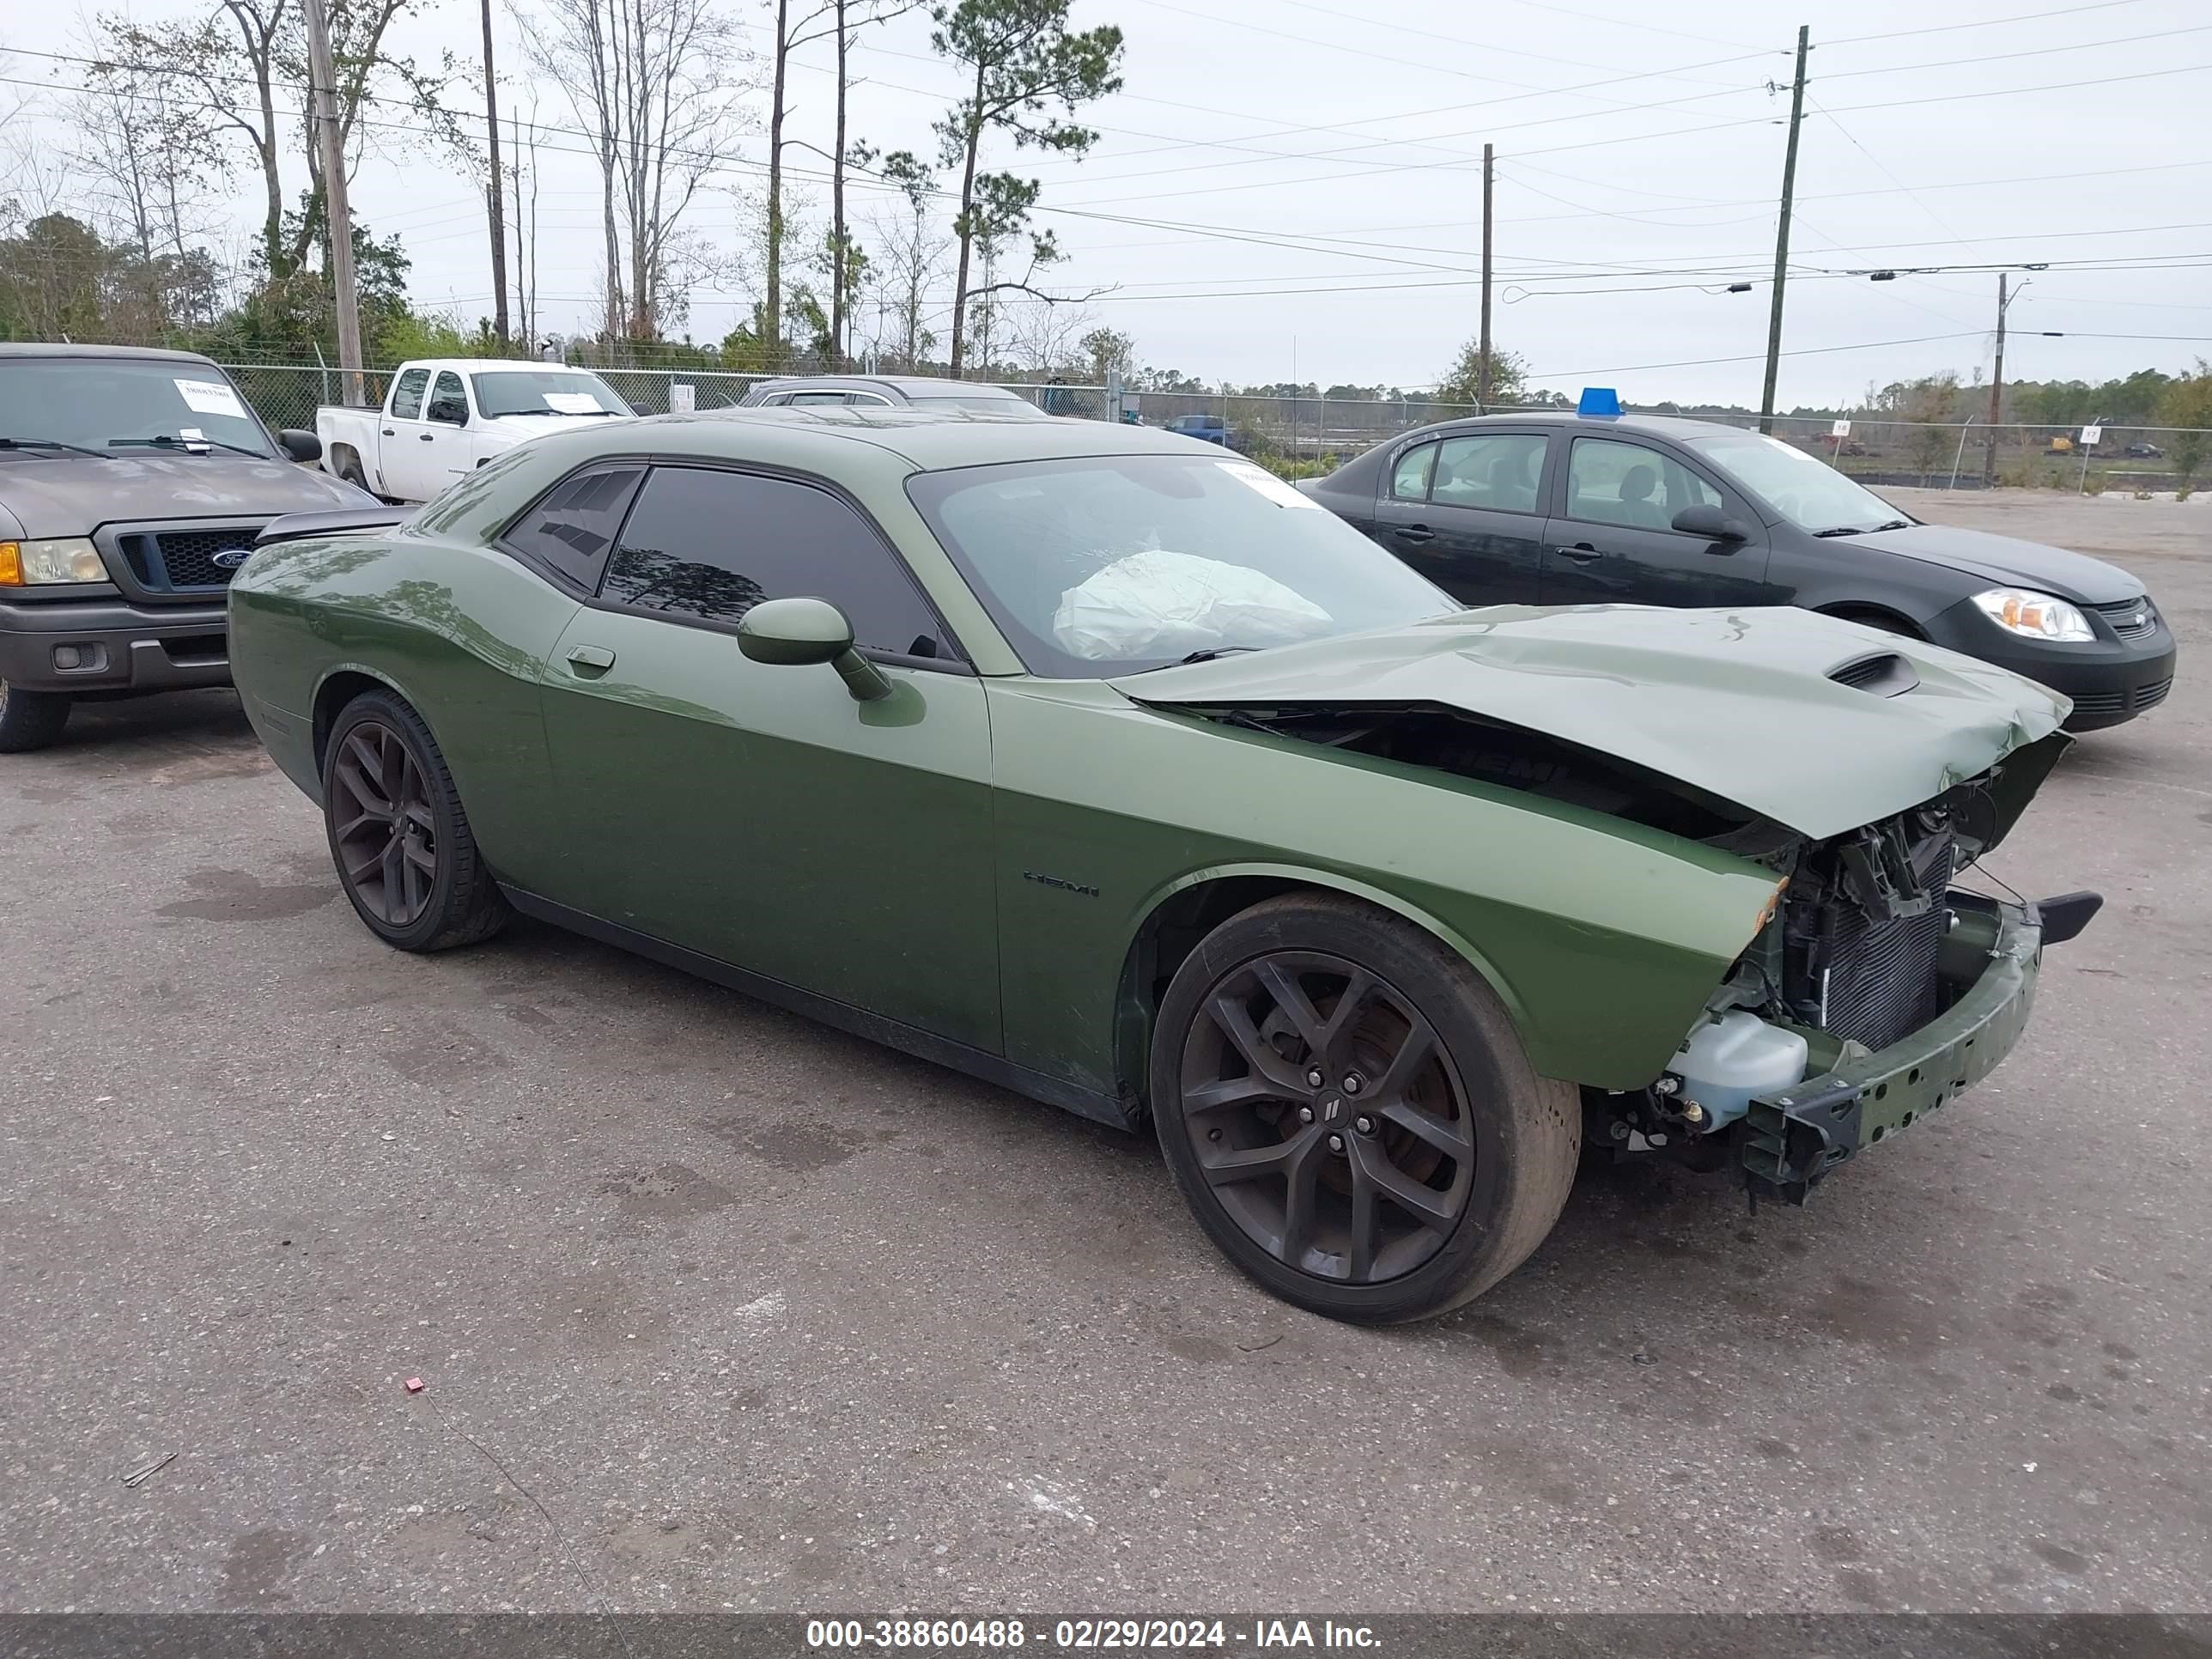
(1567, 509)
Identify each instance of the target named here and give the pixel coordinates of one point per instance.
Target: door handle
(1581, 553)
(1414, 532)
(426, 437)
(590, 661)
(389, 432)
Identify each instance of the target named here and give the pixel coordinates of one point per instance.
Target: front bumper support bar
(1794, 1138)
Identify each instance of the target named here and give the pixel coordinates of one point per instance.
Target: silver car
(885, 390)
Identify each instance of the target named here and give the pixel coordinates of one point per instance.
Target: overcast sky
(1639, 156)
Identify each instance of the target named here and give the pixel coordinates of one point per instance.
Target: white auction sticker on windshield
(211, 398)
(571, 403)
(1259, 478)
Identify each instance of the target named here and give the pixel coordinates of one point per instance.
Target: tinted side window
(798, 398)
(448, 401)
(1611, 482)
(574, 525)
(1409, 480)
(1495, 470)
(714, 544)
(407, 396)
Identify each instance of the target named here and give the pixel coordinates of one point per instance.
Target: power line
(1676, 132)
(2004, 56)
(1755, 357)
(1490, 45)
(2099, 6)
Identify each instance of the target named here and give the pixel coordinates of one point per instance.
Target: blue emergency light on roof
(1599, 400)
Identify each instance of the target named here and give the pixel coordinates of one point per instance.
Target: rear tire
(30, 719)
(350, 472)
(397, 832)
(1427, 1162)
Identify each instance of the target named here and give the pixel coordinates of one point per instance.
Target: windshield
(1802, 488)
(544, 392)
(1110, 565)
(120, 404)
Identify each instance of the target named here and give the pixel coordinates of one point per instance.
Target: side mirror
(800, 632)
(450, 413)
(1709, 522)
(301, 447)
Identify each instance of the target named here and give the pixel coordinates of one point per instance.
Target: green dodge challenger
(1103, 766)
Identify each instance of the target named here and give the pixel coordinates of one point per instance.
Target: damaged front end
(1903, 988)
(1866, 774)
(1880, 987)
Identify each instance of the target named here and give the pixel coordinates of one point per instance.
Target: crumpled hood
(2005, 562)
(1735, 702)
(76, 495)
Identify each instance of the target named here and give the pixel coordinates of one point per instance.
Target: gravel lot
(717, 1308)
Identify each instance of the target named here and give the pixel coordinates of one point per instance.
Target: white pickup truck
(445, 417)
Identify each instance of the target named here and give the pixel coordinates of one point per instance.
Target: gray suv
(132, 484)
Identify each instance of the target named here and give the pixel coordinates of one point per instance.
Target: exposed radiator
(1882, 974)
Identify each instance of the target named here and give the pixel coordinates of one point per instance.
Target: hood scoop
(1884, 673)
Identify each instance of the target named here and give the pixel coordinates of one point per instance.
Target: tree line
(115, 228)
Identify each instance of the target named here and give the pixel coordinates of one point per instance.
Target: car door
(395, 432)
(758, 814)
(1611, 535)
(439, 452)
(1467, 512)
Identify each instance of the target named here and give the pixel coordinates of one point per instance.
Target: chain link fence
(1316, 432)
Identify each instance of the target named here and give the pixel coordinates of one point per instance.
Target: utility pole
(498, 204)
(1996, 384)
(323, 106)
(1482, 372)
(1782, 237)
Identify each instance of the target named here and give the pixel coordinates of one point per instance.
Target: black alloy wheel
(1350, 1112)
(385, 833)
(398, 833)
(1326, 1117)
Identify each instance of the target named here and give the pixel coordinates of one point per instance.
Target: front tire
(398, 835)
(30, 719)
(1350, 1113)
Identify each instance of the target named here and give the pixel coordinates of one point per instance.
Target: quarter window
(407, 396)
(1495, 470)
(1612, 483)
(711, 545)
(1409, 479)
(571, 529)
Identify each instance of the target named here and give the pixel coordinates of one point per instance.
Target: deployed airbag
(1159, 604)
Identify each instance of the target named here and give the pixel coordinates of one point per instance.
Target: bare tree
(849, 17)
(139, 137)
(795, 27)
(911, 256)
(1021, 59)
(237, 60)
(1046, 338)
(657, 84)
(522, 192)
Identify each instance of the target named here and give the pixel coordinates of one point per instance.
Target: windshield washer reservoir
(1726, 1062)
